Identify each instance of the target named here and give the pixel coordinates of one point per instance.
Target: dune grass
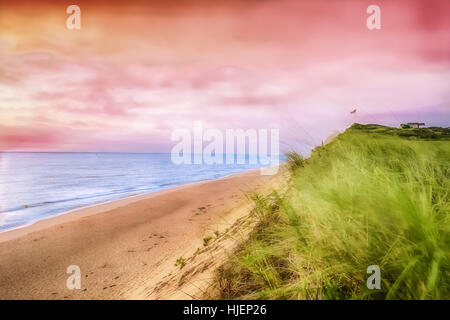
(373, 196)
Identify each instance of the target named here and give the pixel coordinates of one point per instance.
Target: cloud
(138, 70)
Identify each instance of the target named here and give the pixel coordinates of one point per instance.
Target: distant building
(412, 125)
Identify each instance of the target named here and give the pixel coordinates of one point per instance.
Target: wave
(83, 197)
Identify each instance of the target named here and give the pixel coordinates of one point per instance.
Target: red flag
(352, 112)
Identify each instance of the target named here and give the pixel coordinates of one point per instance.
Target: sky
(138, 70)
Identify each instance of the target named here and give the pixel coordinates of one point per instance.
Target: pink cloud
(291, 64)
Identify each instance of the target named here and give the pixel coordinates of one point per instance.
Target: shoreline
(9, 234)
(126, 247)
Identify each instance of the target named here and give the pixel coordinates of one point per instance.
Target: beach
(127, 249)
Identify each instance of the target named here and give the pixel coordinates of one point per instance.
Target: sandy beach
(127, 249)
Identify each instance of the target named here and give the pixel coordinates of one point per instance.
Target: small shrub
(181, 262)
(207, 240)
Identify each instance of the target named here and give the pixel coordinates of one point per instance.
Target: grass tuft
(294, 160)
(207, 240)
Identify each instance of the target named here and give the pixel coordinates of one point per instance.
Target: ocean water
(36, 186)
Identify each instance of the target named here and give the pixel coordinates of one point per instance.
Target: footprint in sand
(201, 210)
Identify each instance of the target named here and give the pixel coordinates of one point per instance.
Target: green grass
(373, 196)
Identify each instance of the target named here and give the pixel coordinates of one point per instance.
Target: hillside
(429, 133)
(375, 195)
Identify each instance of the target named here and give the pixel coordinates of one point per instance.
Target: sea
(36, 186)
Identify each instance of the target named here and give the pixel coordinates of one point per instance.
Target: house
(412, 125)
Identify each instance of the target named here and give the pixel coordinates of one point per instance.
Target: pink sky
(139, 70)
